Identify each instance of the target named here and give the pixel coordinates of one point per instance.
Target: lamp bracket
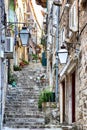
(67, 41)
(74, 48)
(12, 23)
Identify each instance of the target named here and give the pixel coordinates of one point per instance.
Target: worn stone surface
(21, 110)
(80, 68)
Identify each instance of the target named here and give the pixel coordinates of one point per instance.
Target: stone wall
(82, 88)
(81, 72)
(51, 113)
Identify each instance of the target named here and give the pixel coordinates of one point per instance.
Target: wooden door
(73, 97)
(63, 85)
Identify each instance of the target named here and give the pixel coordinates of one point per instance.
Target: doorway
(73, 96)
(63, 101)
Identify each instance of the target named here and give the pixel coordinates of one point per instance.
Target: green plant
(25, 62)
(11, 78)
(43, 41)
(45, 96)
(35, 56)
(16, 68)
(40, 102)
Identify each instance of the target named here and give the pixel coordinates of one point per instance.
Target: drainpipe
(0, 76)
(57, 48)
(1, 65)
(78, 22)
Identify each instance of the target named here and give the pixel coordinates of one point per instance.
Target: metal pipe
(57, 47)
(0, 74)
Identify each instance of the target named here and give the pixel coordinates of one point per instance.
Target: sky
(38, 9)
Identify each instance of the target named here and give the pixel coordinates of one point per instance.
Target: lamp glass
(24, 35)
(63, 55)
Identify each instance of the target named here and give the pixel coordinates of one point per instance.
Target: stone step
(22, 105)
(24, 114)
(24, 97)
(21, 109)
(30, 122)
(20, 94)
(10, 117)
(29, 101)
(34, 110)
(23, 92)
(32, 126)
(25, 118)
(23, 88)
(24, 102)
(13, 96)
(20, 97)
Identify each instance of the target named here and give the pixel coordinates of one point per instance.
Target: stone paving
(21, 109)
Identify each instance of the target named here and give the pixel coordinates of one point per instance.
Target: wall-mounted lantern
(24, 35)
(62, 54)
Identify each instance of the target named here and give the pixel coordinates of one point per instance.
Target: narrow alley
(43, 64)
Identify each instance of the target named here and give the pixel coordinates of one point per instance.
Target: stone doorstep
(52, 126)
(69, 127)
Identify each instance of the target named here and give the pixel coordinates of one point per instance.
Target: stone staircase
(21, 110)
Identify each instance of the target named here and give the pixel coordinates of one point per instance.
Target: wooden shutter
(73, 17)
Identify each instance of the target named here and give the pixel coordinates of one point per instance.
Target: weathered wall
(80, 72)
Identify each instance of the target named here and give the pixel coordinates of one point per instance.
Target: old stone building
(73, 75)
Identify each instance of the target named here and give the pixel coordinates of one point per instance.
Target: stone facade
(73, 77)
(3, 63)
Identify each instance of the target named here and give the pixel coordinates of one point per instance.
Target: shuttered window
(73, 17)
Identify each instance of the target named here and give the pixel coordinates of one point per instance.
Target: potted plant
(23, 63)
(16, 68)
(45, 96)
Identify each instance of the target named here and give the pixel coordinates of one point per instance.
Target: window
(24, 7)
(73, 17)
(9, 44)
